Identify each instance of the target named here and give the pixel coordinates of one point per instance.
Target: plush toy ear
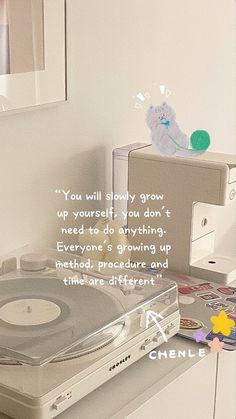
(150, 116)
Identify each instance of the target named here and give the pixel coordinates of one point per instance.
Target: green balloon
(200, 140)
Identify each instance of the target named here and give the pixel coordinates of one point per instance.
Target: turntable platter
(88, 346)
(93, 344)
(41, 318)
(29, 312)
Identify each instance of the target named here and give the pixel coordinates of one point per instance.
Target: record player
(58, 343)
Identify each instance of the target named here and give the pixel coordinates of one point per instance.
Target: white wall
(115, 50)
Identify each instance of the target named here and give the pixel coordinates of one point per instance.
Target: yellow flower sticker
(222, 323)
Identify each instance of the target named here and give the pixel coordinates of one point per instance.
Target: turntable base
(92, 373)
(59, 343)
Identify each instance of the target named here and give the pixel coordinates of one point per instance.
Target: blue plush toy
(167, 136)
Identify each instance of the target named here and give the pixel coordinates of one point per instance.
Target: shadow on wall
(37, 205)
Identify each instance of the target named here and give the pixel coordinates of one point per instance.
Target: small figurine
(167, 136)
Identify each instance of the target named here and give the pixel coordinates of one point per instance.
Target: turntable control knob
(157, 337)
(148, 344)
(33, 262)
(59, 403)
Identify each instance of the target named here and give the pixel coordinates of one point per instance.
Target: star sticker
(199, 336)
(222, 323)
(216, 345)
